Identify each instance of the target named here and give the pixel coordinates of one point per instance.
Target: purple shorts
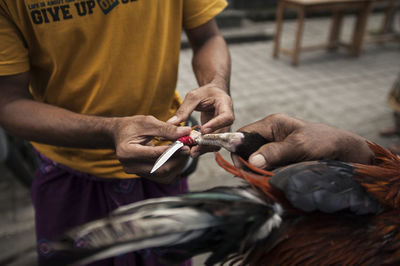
(64, 198)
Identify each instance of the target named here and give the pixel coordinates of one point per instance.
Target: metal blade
(166, 155)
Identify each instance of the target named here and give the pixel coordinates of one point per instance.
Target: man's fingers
(139, 159)
(218, 122)
(184, 111)
(274, 154)
(262, 127)
(168, 131)
(137, 152)
(274, 127)
(137, 128)
(196, 151)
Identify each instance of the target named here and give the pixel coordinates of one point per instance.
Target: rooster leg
(229, 141)
(241, 143)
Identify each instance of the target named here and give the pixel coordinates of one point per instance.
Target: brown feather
(335, 239)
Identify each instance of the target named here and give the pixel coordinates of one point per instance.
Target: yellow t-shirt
(99, 57)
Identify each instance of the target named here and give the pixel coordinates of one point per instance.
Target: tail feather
(382, 178)
(223, 220)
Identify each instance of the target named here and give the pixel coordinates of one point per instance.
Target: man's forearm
(22, 116)
(212, 64)
(56, 126)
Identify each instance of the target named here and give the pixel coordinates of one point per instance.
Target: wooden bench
(385, 32)
(337, 7)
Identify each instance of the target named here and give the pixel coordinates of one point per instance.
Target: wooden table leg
(360, 28)
(278, 31)
(388, 17)
(336, 26)
(299, 34)
(386, 30)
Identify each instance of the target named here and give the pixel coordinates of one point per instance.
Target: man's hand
(130, 136)
(212, 67)
(216, 110)
(294, 140)
(134, 147)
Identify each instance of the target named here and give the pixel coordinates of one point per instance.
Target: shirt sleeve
(13, 53)
(198, 12)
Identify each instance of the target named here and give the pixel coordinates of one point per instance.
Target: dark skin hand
(136, 151)
(293, 140)
(129, 136)
(211, 65)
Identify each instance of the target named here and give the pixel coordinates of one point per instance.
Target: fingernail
(195, 154)
(258, 161)
(173, 119)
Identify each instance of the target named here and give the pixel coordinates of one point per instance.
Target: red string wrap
(187, 140)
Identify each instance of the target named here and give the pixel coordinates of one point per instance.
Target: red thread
(187, 140)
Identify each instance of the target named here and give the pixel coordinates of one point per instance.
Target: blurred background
(342, 77)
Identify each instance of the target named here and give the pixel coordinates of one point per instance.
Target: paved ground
(333, 88)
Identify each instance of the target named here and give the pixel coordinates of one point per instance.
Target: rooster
(313, 213)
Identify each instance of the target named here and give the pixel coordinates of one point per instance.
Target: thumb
(169, 131)
(274, 154)
(183, 112)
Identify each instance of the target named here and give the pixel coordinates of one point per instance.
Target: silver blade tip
(153, 169)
